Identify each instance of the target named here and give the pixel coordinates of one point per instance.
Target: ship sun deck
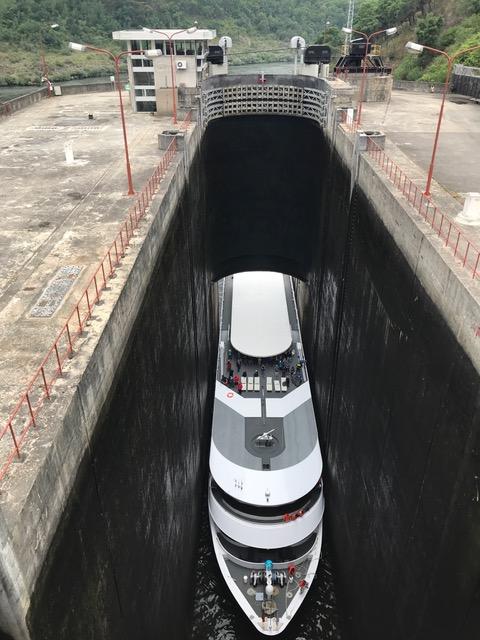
(260, 351)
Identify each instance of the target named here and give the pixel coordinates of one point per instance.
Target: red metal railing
(39, 389)
(454, 238)
(187, 120)
(349, 122)
(463, 249)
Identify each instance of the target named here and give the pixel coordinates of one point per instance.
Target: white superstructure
(266, 500)
(266, 332)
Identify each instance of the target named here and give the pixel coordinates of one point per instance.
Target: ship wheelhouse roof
(260, 323)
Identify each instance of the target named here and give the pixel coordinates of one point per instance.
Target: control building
(150, 78)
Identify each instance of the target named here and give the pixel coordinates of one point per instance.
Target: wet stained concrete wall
(121, 562)
(263, 193)
(396, 399)
(399, 407)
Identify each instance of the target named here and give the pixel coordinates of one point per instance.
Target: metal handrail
(463, 248)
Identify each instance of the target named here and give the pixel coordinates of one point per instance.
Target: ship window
(251, 554)
(267, 511)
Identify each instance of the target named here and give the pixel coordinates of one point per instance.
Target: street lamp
(74, 46)
(298, 44)
(43, 60)
(327, 24)
(389, 32)
(172, 70)
(419, 48)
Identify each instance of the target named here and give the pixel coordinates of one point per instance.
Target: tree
(369, 16)
(428, 30)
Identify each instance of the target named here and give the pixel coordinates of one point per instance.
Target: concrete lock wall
(65, 572)
(16, 104)
(392, 355)
(129, 531)
(262, 193)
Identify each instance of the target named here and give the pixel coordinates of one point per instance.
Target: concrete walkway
(410, 120)
(57, 215)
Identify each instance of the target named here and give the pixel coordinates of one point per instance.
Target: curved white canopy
(260, 325)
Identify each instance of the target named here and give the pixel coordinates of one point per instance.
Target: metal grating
(52, 296)
(264, 99)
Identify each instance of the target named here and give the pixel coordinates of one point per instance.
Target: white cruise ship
(266, 500)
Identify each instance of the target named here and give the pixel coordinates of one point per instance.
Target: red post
(131, 190)
(172, 66)
(456, 244)
(45, 385)
(14, 439)
(58, 360)
(79, 320)
(43, 62)
(362, 82)
(116, 60)
(450, 60)
(364, 70)
(32, 416)
(476, 266)
(174, 97)
(70, 344)
(439, 124)
(96, 287)
(448, 235)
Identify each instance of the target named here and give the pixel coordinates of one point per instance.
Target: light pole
(43, 60)
(389, 32)
(327, 24)
(172, 70)
(419, 48)
(298, 44)
(116, 58)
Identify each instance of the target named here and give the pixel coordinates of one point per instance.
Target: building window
(146, 106)
(146, 78)
(141, 62)
(144, 93)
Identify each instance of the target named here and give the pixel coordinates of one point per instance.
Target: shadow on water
(217, 616)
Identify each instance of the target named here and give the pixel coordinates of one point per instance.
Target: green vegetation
(261, 30)
(449, 25)
(254, 25)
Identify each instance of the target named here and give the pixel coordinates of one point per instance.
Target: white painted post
(68, 148)
(471, 211)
